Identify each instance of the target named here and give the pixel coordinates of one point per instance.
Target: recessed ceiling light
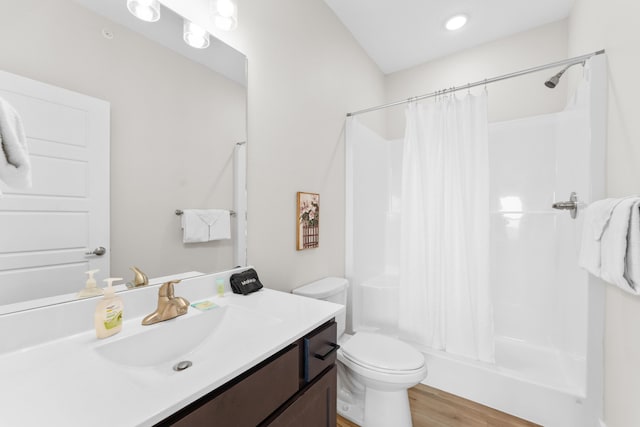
(456, 22)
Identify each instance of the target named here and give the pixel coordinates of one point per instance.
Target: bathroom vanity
(296, 386)
(263, 359)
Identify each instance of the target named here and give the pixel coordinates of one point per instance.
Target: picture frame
(308, 220)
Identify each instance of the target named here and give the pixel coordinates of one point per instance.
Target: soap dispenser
(108, 316)
(90, 289)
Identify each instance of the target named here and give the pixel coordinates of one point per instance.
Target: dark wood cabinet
(319, 350)
(314, 407)
(296, 386)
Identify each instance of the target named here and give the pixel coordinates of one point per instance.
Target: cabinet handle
(334, 347)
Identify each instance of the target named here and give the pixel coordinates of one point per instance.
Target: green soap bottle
(108, 315)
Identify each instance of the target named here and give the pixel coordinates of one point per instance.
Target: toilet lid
(381, 352)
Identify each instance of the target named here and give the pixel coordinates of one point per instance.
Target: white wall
(524, 50)
(306, 72)
(173, 127)
(612, 25)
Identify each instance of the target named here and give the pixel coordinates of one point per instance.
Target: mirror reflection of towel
(204, 225)
(15, 166)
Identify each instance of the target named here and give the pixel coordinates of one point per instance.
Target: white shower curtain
(444, 300)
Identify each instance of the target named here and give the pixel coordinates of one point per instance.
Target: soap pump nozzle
(91, 288)
(109, 292)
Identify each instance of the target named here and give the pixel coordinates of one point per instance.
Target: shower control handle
(564, 205)
(571, 205)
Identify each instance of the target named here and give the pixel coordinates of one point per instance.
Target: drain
(181, 366)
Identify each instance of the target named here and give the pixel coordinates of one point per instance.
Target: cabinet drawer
(253, 398)
(320, 349)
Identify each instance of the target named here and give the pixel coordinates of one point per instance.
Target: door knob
(99, 251)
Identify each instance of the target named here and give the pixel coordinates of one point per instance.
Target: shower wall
(372, 194)
(538, 292)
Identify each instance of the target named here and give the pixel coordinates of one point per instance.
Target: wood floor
(431, 407)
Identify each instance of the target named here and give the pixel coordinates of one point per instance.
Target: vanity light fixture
(147, 10)
(195, 36)
(456, 22)
(224, 14)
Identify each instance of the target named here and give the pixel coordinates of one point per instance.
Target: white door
(47, 231)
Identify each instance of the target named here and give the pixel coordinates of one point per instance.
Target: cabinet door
(252, 399)
(316, 407)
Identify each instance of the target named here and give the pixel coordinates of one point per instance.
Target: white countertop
(66, 382)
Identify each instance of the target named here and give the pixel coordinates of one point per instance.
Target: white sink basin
(173, 340)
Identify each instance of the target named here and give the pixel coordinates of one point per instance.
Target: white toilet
(374, 371)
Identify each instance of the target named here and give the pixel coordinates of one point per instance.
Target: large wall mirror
(177, 133)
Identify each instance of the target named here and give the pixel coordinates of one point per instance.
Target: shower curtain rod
(568, 62)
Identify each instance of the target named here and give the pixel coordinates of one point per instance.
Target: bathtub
(534, 383)
(537, 384)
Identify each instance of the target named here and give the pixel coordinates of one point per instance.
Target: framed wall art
(308, 215)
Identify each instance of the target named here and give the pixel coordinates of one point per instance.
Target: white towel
(611, 242)
(596, 218)
(620, 244)
(204, 225)
(15, 166)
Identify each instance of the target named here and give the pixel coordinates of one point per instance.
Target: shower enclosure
(547, 312)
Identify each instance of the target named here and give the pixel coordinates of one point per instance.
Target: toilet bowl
(374, 371)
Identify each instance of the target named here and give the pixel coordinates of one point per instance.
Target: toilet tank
(332, 289)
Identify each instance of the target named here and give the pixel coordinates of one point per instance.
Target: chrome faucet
(169, 305)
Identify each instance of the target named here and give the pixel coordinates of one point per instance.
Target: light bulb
(195, 36)
(225, 8)
(225, 23)
(146, 10)
(224, 14)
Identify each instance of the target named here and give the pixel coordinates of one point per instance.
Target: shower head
(553, 81)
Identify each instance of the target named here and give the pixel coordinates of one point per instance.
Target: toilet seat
(382, 354)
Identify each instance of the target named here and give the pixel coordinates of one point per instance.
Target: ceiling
(399, 34)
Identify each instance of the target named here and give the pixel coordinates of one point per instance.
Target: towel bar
(180, 212)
